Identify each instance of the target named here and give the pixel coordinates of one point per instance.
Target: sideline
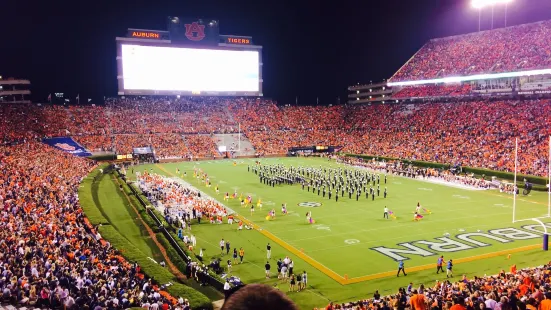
(432, 266)
(175, 271)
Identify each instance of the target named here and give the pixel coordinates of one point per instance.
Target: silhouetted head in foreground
(258, 296)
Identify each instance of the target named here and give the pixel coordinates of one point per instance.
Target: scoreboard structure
(190, 58)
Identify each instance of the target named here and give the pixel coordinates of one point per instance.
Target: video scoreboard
(191, 58)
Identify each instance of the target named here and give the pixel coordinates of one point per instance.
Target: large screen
(197, 71)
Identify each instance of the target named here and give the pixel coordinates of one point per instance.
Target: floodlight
(479, 4)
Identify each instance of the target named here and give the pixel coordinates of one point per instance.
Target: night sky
(310, 48)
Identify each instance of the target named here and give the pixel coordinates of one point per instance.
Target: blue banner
(67, 144)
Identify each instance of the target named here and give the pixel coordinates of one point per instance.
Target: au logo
(65, 146)
(309, 204)
(195, 32)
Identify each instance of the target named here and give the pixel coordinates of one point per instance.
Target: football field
(351, 250)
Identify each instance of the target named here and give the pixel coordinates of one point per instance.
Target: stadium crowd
(509, 49)
(433, 91)
(51, 255)
(525, 289)
(475, 133)
(177, 200)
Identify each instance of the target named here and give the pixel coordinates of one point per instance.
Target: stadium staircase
(70, 116)
(228, 140)
(229, 114)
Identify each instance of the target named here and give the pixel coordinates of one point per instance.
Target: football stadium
(191, 189)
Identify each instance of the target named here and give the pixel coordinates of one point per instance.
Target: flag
(392, 215)
(78, 98)
(89, 99)
(50, 97)
(418, 216)
(427, 211)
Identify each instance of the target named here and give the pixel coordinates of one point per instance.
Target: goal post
(549, 180)
(516, 191)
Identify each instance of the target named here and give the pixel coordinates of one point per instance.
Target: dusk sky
(310, 48)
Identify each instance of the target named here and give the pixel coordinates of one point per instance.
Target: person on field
(241, 255)
(401, 268)
(449, 269)
(235, 255)
(267, 268)
(439, 263)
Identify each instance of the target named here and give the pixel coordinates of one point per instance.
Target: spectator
(258, 296)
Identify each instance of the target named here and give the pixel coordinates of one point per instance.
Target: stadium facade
(15, 90)
(512, 62)
(372, 92)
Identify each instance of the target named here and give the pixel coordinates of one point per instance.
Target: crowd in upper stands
(509, 49)
(474, 133)
(433, 91)
(51, 256)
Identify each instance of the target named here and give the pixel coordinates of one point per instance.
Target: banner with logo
(193, 31)
(67, 144)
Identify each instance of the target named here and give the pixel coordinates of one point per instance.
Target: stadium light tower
(480, 4)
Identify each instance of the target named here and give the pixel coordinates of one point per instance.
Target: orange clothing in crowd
(545, 304)
(417, 301)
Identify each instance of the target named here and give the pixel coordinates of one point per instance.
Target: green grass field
(344, 251)
(118, 212)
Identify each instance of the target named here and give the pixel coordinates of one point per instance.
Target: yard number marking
(322, 227)
(351, 241)
(461, 197)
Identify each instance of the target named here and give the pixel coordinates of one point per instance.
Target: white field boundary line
(443, 183)
(407, 178)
